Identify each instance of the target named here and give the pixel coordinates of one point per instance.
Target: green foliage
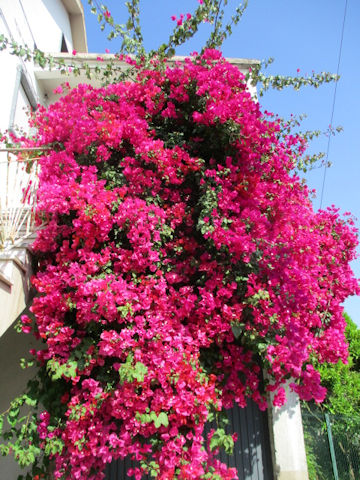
(222, 440)
(151, 467)
(161, 419)
(19, 435)
(129, 372)
(343, 403)
(57, 370)
(46, 61)
(279, 82)
(352, 333)
(308, 161)
(343, 380)
(18, 429)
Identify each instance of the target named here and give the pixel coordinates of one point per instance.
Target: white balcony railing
(19, 170)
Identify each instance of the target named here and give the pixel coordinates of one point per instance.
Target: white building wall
(49, 20)
(40, 22)
(288, 447)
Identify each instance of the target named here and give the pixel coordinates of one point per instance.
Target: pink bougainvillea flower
(181, 258)
(58, 90)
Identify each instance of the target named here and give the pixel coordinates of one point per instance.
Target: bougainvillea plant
(181, 262)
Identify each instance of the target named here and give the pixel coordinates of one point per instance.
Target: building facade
(53, 26)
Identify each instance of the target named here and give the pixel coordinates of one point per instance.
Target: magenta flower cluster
(181, 261)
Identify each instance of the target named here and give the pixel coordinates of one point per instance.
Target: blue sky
(301, 35)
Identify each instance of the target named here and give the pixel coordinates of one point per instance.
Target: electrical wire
(333, 105)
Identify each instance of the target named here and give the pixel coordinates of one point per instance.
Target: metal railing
(19, 169)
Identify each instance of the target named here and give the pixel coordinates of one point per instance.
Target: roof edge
(239, 62)
(75, 10)
(73, 7)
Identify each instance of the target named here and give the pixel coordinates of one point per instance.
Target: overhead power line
(333, 104)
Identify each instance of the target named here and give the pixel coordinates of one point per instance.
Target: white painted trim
(5, 279)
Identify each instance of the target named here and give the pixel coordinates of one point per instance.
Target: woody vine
(181, 259)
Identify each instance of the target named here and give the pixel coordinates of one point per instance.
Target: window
(23, 101)
(64, 48)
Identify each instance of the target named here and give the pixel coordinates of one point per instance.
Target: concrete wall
(287, 436)
(15, 273)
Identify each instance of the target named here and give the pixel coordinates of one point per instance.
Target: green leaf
(140, 372)
(4, 450)
(13, 416)
(221, 440)
(163, 419)
(237, 329)
(57, 370)
(216, 439)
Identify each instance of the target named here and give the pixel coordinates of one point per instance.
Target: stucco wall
(15, 273)
(288, 448)
(39, 21)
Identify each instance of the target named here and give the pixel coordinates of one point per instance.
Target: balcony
(19, 170)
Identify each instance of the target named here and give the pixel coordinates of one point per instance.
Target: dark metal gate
(252, 452)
